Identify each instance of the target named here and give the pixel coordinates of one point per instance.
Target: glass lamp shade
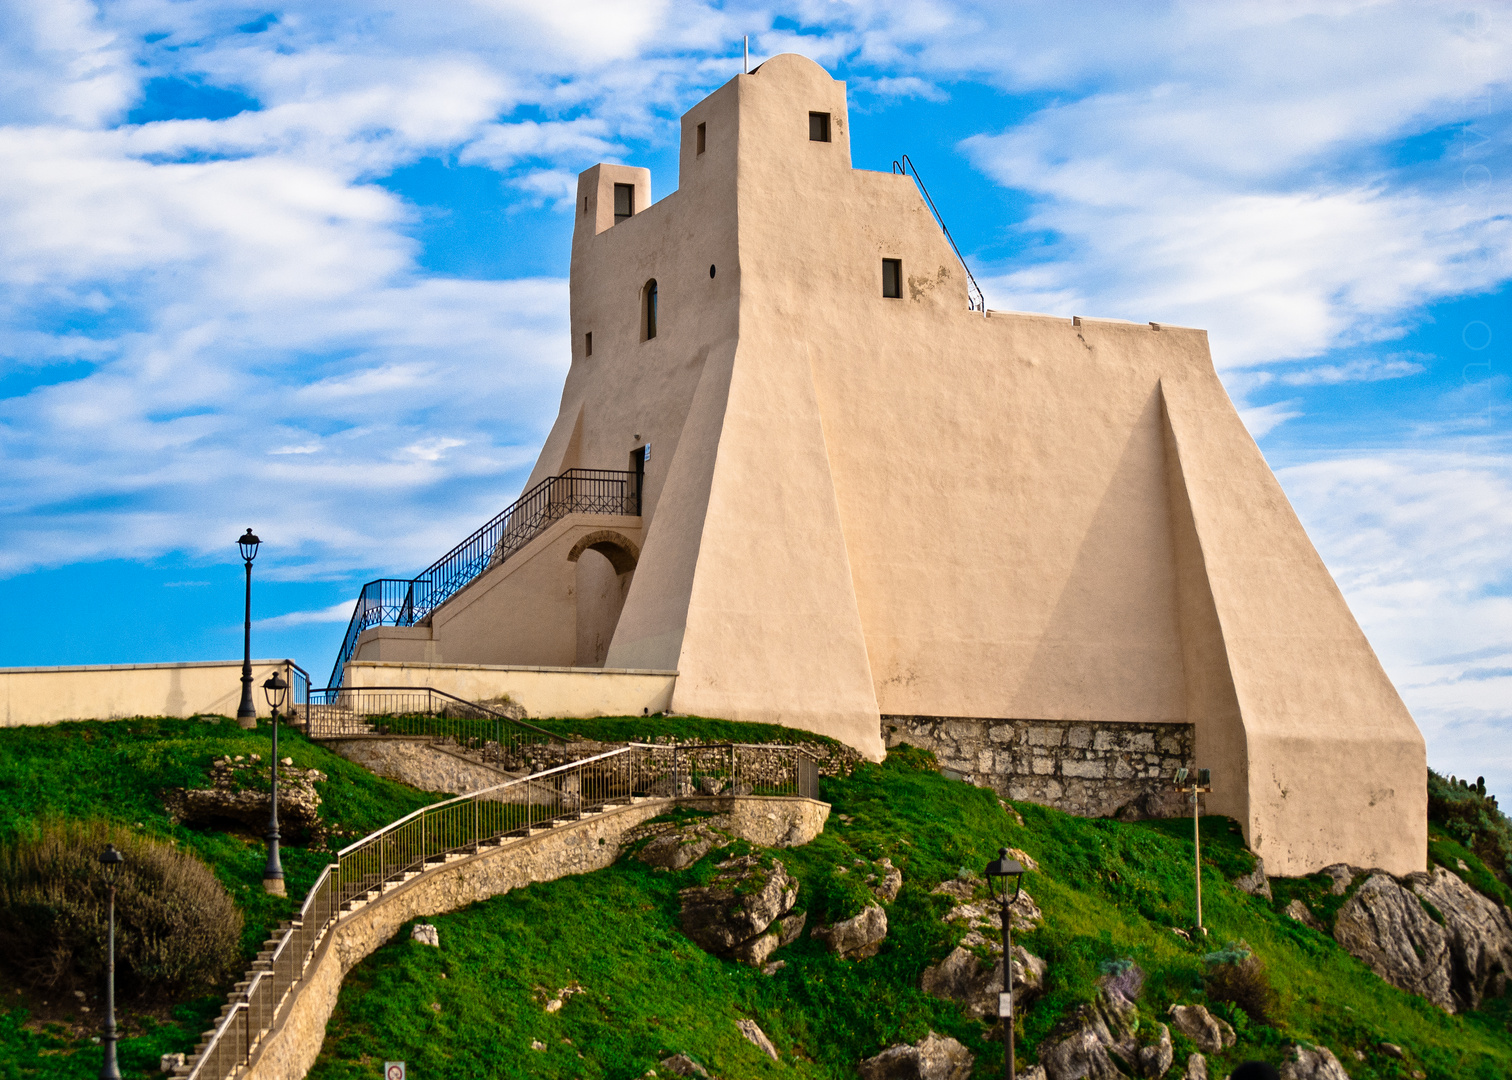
(275, 689)
(1001, 871)
(248, 544)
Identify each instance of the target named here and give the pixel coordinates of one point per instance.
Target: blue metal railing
(407, 602)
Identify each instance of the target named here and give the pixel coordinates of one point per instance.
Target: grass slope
(116, 770)
(1110, 891)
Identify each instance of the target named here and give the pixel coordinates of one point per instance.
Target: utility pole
(1197, 782)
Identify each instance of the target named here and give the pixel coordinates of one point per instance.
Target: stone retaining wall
(1082, 767)
(418, 763)
(288, 1052)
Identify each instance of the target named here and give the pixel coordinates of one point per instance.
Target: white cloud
(1261, 420)
(337, 613)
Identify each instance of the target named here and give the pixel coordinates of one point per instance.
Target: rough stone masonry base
(1082, 767)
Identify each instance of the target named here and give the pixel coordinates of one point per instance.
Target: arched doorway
(605, 566)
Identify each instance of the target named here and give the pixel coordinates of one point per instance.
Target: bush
(1472, 817)
(177, 930)
(1238, 976)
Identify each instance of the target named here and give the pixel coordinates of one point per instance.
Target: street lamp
(110, 863)
(1196, 782)
(273, 876)
(999, 872)
(246, 712)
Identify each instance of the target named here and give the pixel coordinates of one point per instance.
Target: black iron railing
(496, 734)
(974, 297)
(401, 602)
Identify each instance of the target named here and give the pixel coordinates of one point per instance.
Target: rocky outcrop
(1099, 1043)
(1317, 1063)
(933, 1057)
(983, 915)
(857, 937)
(887, 887)
(682, 1065)
(1255, 882)
(1211, 1033)
(733, 915)
(1196, 1068)
(1453, 960)
(239, 797)
(758, 1038)
(681, 848)
(1300, 911)
(963, 978)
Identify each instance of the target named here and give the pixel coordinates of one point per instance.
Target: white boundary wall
(48, 695)
(540, 691)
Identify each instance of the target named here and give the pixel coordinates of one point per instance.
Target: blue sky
(301, 266)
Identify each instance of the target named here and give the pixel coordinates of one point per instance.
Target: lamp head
(110, 861)
(248, 544)
(274, 689)
(1001, 871)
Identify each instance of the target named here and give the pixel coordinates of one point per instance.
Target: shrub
(1238, 976)
(177, 930)
(1473, 818)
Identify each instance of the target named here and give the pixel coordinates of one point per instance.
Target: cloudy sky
(302, 267)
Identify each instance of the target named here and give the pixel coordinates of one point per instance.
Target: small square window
(819, 127)
(702, 137)
(892, 278)
(624, 202)
(588, 343)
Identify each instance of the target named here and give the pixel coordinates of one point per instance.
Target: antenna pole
(748, 54)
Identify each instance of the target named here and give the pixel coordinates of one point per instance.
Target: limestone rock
(887, 889)
(1479, 933)
(1343, 875)
(1196, 1068)
(240, 792)
(738, 906)
(1082, 1046)
(683, 1065)
(857, 937)
(964, 979)
(790, 926)
(1255, 882)
(752, 1031)
(1156, 1058)
(1391, 1050)
(1300, 911)
(984, 915)
(1385, 926)
(681, 848)
(1315, 1064)
(933, 1057)
(169, 1062)
(1211, 1034)
(1033, 1072)
(426, 934)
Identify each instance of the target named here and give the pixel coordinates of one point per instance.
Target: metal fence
(400, 602)
(494, 734)
(435, 834)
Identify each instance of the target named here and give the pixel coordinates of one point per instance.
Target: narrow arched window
(650, 309)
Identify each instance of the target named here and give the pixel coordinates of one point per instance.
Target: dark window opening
(624, 202)
(819, 127)
(892, 278)
(588, 343)
(585, 204)
(650, 309)
(711, 269)
(702, 133)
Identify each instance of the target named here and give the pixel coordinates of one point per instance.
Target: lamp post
(999, 872)
(110, 862)
(246, 712)
(1196, 782)
(273, 876)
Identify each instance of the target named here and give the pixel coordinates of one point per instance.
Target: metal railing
(437, 834)
(976, 302)
(401, 602)
(495, 735)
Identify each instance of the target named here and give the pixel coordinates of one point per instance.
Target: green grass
(1110, 891)
(117, 770)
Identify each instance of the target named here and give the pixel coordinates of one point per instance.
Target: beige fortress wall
(860, 506)
(540, 691)
(49, 695)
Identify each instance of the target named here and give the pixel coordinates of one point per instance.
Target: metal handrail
(464, 825)
(405, 602)
(903, 169)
